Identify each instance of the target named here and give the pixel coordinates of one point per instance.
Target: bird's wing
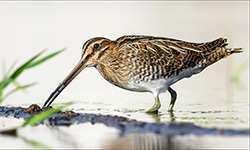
(206, 47)
(171, 55)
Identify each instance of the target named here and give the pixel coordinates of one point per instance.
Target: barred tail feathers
(219, 53)
(234, 50)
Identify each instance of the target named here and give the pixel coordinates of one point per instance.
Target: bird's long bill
(78, 68)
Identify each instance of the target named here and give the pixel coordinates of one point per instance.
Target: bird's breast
(114, 75)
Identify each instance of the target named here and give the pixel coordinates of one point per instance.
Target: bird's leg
(173, 98)
(172, 117)
(156, 106)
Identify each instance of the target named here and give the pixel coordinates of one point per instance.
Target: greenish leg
(172, 117)
(173, 99)
(156, 106)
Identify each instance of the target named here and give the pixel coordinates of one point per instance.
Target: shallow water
(96, 134)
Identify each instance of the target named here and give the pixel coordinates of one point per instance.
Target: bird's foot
(155, 107)
(171, 113)
(152, 111)
(170, 108)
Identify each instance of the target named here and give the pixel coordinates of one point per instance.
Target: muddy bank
(125, 125)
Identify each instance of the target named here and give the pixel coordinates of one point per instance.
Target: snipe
(146, 63)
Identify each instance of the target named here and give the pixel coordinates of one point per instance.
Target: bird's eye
(96, 46)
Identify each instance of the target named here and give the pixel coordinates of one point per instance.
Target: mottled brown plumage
(147, 63)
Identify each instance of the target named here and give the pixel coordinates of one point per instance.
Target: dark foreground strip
(126, 125)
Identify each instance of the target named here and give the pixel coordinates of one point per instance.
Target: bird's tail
(219, 53)
(234, 50)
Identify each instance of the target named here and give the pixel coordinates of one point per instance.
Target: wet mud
(125, 125)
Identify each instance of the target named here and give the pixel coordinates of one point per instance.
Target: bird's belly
(161, 85)
(154, 86)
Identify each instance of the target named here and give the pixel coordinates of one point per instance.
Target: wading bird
(146, 63)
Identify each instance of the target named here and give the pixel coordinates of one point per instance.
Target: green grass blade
(6, 78)
(35, 144)
(9, 70)
(1, 93)
(44, 115)
(21, 69)
(22, 87)
(43, 59)
(2, 84)
(24, 66)
(19, 87)
(7, 74)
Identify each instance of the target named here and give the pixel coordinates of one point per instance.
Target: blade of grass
(2, 83)
(44, 59)
(21, 69)
(5, 79)
(7, 74)
(20, 87)
(23, 87)
(1, 91)
(9, 70)
(35, 144)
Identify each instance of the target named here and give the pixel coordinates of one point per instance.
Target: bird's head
(94, 51)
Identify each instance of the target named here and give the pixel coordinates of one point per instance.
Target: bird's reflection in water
(143, 141)
(157, 117)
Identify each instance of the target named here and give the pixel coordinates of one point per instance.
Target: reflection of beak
(78, 68)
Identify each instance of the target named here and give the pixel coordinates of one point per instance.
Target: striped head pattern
(96, 49)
